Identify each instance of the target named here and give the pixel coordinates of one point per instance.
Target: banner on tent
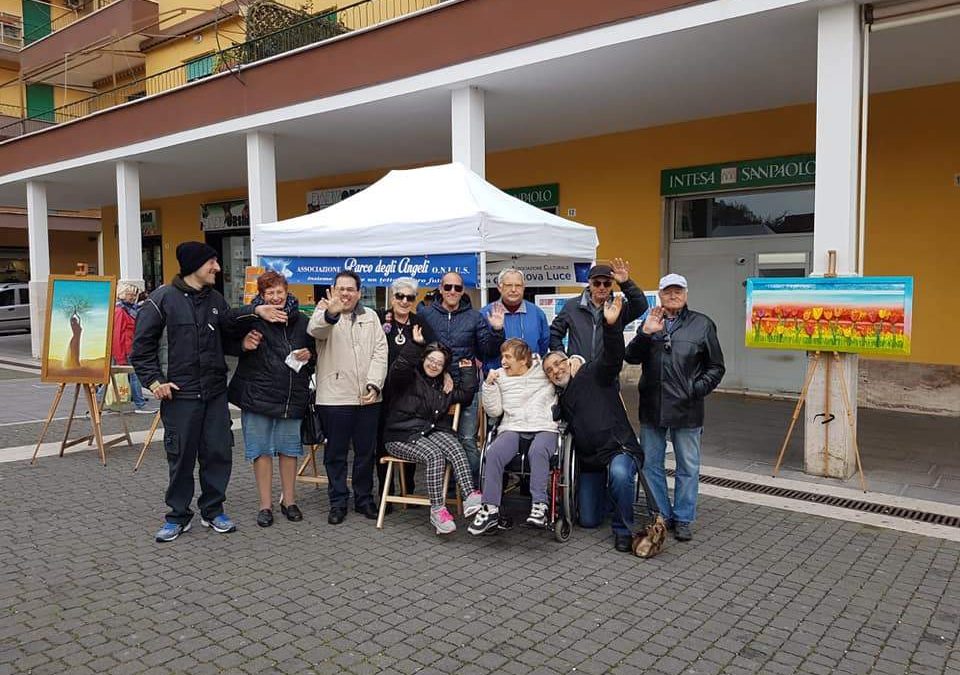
(376, 270)
(539, 271)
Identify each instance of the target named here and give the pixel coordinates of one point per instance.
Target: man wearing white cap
(682, 363)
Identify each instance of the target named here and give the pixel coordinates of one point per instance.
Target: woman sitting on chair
(521, 393)
(418, 428)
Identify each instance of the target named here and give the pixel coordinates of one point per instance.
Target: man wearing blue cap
(682, 363)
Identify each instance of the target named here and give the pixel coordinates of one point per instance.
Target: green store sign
(542, 196)
(754, 173)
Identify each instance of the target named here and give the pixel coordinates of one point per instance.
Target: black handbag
(311, 428)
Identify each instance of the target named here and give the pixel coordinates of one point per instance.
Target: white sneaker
(442, 520)
(538, 515)
(488, 517)
(472, 503)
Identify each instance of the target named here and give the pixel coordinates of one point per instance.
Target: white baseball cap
(673, 280)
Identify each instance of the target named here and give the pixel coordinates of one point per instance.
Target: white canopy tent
(437, 210)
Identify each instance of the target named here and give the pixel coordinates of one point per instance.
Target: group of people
(385, 383)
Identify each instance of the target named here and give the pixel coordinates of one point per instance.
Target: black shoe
(292, 512)
(622, 542)
(265, 518)
(681, 532)
(337, 514)
(369, 511)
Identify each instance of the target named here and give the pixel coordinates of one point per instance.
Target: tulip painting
(862, 315)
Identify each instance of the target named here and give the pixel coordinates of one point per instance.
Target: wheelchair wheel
(568, 499)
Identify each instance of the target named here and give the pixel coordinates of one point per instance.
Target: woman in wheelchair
(521, 393)
(418, 427)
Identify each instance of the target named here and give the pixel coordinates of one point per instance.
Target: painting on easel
(861, 315)
(79, 329)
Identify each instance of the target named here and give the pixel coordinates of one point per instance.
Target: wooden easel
(812, 365)
(96, 434)
(148, 440)
(310, 459)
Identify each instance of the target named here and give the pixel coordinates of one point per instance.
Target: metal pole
(483, 278)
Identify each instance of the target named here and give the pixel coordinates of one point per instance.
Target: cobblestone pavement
(85, 589)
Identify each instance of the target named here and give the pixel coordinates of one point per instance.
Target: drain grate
(842, 502)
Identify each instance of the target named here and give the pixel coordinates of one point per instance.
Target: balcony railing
(69, 15)
(315, 30)
(11, 30)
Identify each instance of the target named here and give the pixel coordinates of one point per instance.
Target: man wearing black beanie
(193, 390)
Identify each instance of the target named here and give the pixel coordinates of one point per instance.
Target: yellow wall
(10, 94)
(66, 248)
(613, 182)
(176, 52)
(14, 7)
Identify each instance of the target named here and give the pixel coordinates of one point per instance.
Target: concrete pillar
(39, 261)
(469, 140)
(261, 184)
(828, 450)
(129, 238)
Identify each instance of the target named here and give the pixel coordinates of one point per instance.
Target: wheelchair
(561, 484)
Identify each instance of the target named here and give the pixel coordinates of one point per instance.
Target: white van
(14, 307)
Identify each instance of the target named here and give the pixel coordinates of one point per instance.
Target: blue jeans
(686, 450)
(613, 490)
(265, 436)
(467, 433)
(136, 391)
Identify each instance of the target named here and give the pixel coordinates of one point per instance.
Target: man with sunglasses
(468, 335)
(682, 363)
(580, 320)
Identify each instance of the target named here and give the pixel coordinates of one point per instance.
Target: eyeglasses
(453, 287)
(439, 363)
(597, 283)
(511, 286)
(344, 289)
(404, 296)
(668, 344)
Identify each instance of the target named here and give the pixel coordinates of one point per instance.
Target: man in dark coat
(606, 445)
(193, 390)
(468, 335)
(580, 321)
(682, 363)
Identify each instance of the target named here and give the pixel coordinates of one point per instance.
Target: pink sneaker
(442, 520)
(472, 504)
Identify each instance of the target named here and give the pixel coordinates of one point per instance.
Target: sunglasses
(606, 283)
(404, 296)
(439, 363)
(453, 287)
(668, 344)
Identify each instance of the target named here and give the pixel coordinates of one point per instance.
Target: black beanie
(192, 255)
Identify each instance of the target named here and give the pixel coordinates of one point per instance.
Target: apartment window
(11, 30)
(199, 68)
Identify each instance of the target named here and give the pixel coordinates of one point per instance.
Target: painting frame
(870, 316)
(100, 294)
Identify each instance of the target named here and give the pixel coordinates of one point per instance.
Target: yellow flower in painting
(780, 329)
(847, 332)
(816, 312)
(884, 313)
(806, 314)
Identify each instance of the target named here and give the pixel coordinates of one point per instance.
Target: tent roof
(432, 210)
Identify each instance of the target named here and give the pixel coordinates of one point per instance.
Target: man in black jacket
(606, 445)
(580, 319)
(193, 391)
(682, 363)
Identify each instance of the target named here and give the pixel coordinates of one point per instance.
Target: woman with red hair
(272, 389)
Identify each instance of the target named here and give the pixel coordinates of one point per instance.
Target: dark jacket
(465, 332)
(392, 330)
(418, 405)
(583, 325)
(264, 383)
(593, 409)
(197, 324)
(674, 383)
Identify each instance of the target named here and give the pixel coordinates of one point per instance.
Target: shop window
(7, 298)
(747, 214)
(24, 296)
(199, 68)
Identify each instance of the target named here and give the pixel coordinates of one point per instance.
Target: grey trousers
(504, 448)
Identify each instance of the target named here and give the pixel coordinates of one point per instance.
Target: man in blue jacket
(466, 333)
(522, 319)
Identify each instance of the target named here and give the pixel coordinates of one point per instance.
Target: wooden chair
(421, 500)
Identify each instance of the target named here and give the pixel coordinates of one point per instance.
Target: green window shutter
(36, 20)
(199, 68)
(40, 102)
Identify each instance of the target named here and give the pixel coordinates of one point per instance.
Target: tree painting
(74, 308)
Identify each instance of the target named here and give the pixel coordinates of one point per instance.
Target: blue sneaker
(221, 524)
(171, 531)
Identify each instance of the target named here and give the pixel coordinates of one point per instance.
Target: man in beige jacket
(351, 367)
